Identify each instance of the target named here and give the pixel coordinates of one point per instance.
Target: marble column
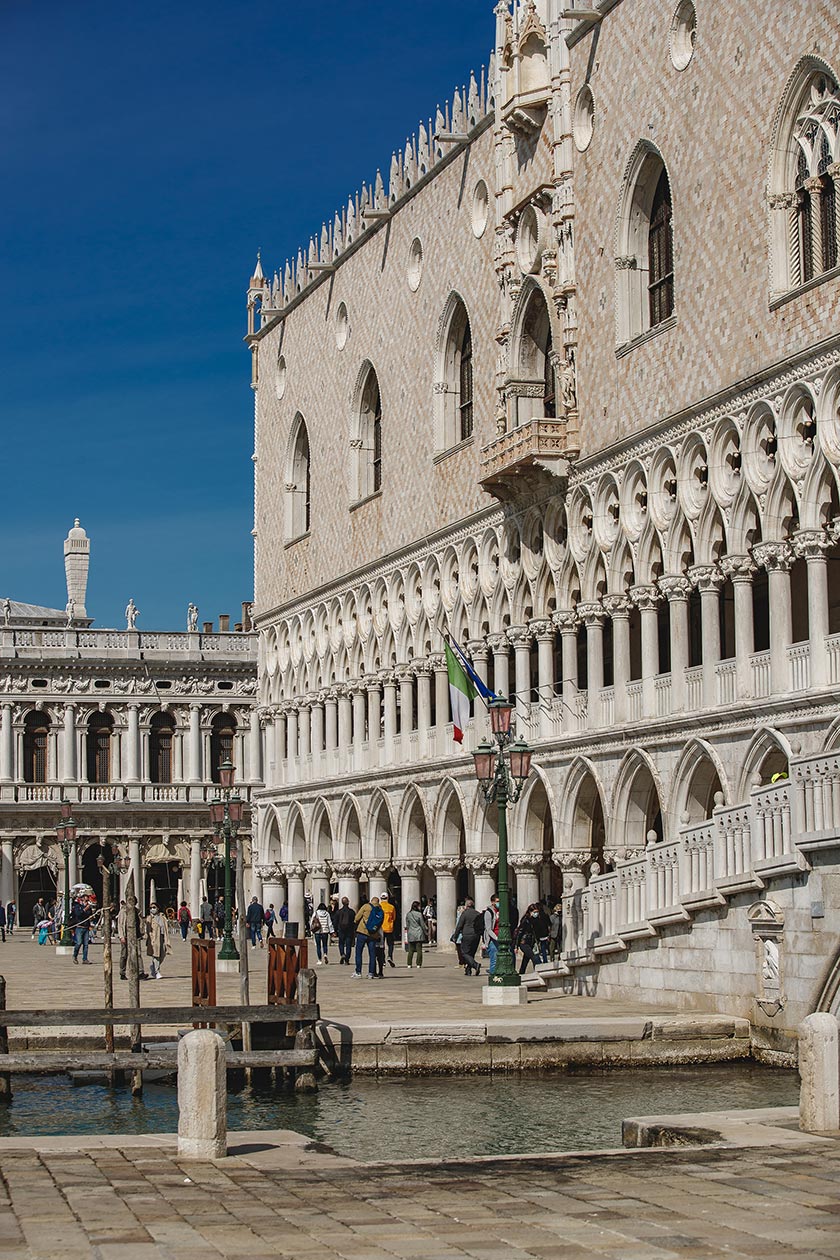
(566, 622)
(543, 631)
(812, 544)
(592, 615)
(132, 759)
(377, 883)
(741, 569)
(527, 866)
(777, 558)
(646, 599)
(255, 769)
(292, 744)
(269, 756)
(389, 705)
(68, 745)
(444, 870)
(331, 721)
(374, 717)
(410, 885)
(520, 637)
(708, 579)
(318, 879)
(317, 729)
(195, 875)
(423, 671)
(274, 894)
(405, 678)
(304, 731)
(359, 714)
(7, 744)
(347, 874)
(618, 608)
(195, 744)
(7, 872)
(297, 906)
(676, 590)
(345, 721)
(281, 736)
(442, 715)
(499, 645)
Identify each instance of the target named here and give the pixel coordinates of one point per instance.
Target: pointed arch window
(367, 443)
(660, 254)
(454, 388)
(532, 394)
(805, 173)
(645, 271)
(36, 733)
(298, 482)
(465, 384)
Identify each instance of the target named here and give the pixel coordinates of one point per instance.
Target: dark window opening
(761, 611)
(695, 629)
(465, 384)
(661, 254)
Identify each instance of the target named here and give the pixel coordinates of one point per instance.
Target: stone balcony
(525, 459)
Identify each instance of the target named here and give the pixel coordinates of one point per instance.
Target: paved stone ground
(36, 979)
(133, 1204)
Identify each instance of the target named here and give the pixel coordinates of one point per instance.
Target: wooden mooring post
(5, 1078)
(203, 974)
(132, 923)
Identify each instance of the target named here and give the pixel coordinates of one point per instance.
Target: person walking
(525, 938)
(205, 914)
(469, 927)
(3, 923)
(270, 920)
(416, 935)
(345, 926)
(368, 923)
(555, 932)
(322, 925)
(543, 931)
(11, 917)
(389, 923)
(491, 933)
(157, 941)
(184, 919)
(39, 913)
(219, 917)
(255, 919)
(80, 927)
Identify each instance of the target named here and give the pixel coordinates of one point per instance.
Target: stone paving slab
(676, 1204)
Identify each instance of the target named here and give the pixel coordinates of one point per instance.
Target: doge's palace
(563, 383)
(130, 727)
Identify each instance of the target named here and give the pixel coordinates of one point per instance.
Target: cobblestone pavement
(37, 978)
(645, 1205)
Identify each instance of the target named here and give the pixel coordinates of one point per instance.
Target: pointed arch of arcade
(378, 841)
(533, 828)
(412, 826)
(768, 753)
(270, 843)
(348, 831)
(320, 847)
(582, 814)
(698, 775)
(295, 834)
(449, 825)
(832, 737)
(638, 805)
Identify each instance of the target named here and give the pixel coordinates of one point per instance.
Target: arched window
(222, 734)
(161, 736)
(99, 731)
(36, 731)
(367, 444)
(532, 393)
(803, 182)
(645, 258)
(298, 481)
(454, 376)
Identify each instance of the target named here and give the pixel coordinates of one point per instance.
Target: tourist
(416, 934)
(206, 917)
(157, 941)
(184, 919)
(389, 923)
(270, 920)
(491, 933)
(39, 913)
(456, 937)
(525, 938)
(543, 929)
(555, 932)
(322, 925)
(3, 923)
(122, 933)
(219, 916)
(345, 924)
(80, 927)
(430, 915)
(11, 917)
(368, 922)
(255, 919)
(284, 912)
(469, 928)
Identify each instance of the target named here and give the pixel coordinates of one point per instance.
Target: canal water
(426, 1117)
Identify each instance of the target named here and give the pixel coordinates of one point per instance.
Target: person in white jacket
(322, 926)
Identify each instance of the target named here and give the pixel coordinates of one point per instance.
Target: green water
(429, 1117)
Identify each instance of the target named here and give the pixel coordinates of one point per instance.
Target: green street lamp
(66, 836)
(501, 772)
(226, 815)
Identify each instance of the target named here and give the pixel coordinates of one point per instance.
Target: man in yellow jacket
(389, 923)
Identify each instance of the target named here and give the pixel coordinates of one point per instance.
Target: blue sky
(147, 150)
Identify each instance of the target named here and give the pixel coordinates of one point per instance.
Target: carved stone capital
(541, 629)
(477, 649)
(782, 201)
(408, 870)
(706, 577)
(291, 870)
(527, 863)
(437, 662)
(811, 544)
(345, 870)
(738, 568)
(646, 598)
(570, 859)
(675, 587)
(498, 643)
(773, 555)
(444, 865)
(592, 613)
(519, 636)
(617, 606)
(566, 620)
(481, 863)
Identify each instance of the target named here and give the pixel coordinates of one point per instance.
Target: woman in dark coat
(526, 937)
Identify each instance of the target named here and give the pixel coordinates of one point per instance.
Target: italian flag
(461, 692)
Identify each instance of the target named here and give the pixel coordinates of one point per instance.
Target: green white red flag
(461, 694)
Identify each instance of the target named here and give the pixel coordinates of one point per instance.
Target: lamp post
(66, 836)
(226, 815)
(501, 772)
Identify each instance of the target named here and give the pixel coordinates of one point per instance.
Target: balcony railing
(533, 450)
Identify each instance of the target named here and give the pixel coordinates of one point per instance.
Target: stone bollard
(819, 1070)
(202, 1095)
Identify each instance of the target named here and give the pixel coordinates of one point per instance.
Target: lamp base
(229, 966)
(66, 950)
(504, 995)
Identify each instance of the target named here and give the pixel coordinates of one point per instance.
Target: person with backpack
(206, 917)
(469, 928)
(389, 924)
(322, 925)
(345, 926)
(270, 920)
(184, 919)
(255, 918)
(368, 922)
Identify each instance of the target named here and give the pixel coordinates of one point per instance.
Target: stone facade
(128, 726)
(635, 528)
